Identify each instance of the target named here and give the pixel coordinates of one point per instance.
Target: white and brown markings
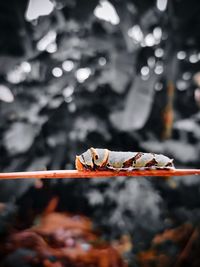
(104, 159)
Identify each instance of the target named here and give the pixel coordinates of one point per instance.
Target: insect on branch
(102, 163)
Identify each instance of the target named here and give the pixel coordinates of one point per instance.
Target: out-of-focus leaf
(137, 105)
(19, 137)
(7, 63)
(103, 9)
(43, 26)
(188, 125)
(34, 71)
(135, 202)
(6, 94)
(70, 48)
(35, 9)
(181, 151)
(118, 72)
(84, 126)
(142, 193)
(184, 152)
(117, 79)
(148, 19)
(95, 197)
(27, 106)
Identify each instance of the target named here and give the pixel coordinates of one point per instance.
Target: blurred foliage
(69, 241)
(80, 77)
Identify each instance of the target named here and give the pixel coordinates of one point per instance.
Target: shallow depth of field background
(118, 74)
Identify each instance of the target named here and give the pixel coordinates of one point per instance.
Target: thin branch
(97, 174)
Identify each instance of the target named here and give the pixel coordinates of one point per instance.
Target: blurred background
(122, 75)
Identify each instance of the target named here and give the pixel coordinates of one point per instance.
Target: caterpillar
(104, 159)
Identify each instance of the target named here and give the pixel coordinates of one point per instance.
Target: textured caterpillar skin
(103, 159)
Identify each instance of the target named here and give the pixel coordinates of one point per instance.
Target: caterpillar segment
(103, 159)
(92, 159)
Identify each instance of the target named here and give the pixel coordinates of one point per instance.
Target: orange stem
(96, 174)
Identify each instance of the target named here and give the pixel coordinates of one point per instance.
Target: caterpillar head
(91, 159)
(84, 161)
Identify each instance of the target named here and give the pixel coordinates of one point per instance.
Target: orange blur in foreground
(68, 240)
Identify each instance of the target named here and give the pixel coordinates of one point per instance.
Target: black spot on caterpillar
(104, 159)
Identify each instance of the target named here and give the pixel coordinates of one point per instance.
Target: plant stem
(97, 174)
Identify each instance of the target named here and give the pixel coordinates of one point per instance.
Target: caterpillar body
(104, 159)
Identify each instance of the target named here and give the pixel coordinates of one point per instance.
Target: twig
(97, 174)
